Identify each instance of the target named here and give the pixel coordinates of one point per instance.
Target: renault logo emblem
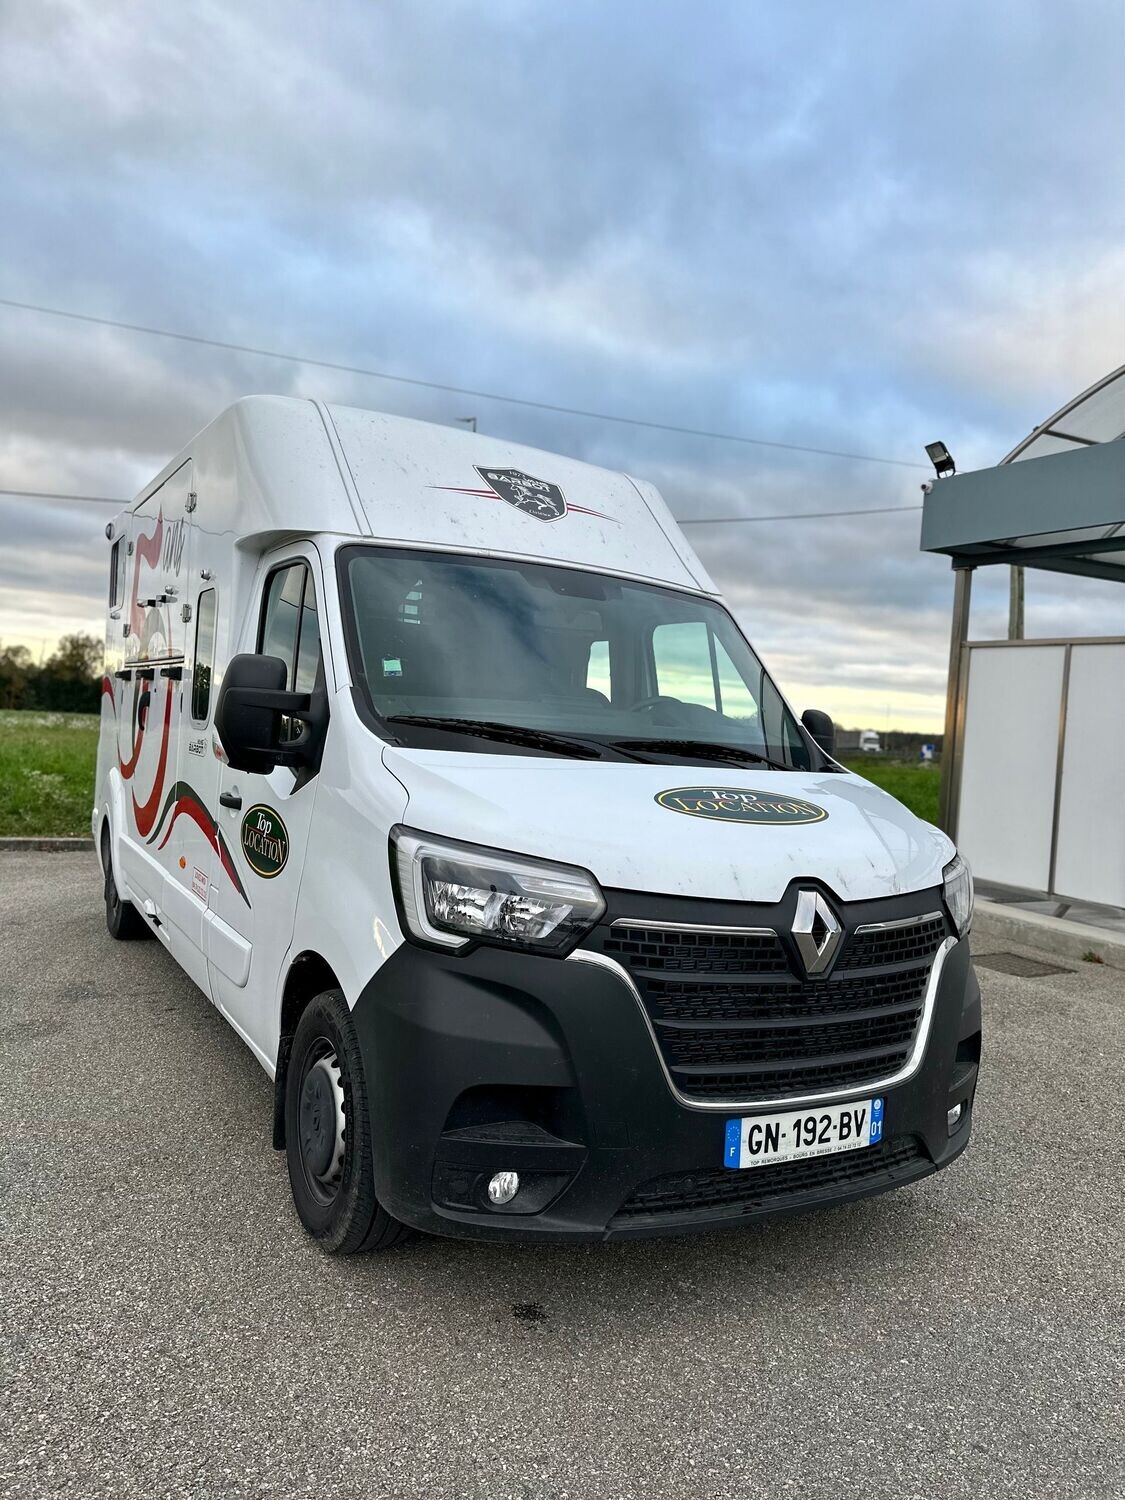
(816, 931)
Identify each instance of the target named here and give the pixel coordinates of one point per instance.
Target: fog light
(505, 1185)
(951, 1118)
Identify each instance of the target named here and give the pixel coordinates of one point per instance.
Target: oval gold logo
(735, 804)
(265, 842)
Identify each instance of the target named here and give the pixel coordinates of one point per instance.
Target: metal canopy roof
(1057, 501)
(1096, 416)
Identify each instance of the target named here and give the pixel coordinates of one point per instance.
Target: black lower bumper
(496, 1061)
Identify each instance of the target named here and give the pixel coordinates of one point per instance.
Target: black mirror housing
(248, 716)
(822, 729)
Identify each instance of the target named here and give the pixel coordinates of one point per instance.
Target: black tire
(330, 1170)
(122, 918)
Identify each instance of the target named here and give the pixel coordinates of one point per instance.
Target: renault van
(440, 766)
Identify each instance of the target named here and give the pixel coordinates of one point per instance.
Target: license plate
(762, 1140)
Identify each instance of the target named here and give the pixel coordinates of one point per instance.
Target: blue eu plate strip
(733, 1143)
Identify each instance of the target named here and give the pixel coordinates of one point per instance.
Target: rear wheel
(328, 1134)
(122, 918)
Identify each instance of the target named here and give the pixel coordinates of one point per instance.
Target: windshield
(546, 654)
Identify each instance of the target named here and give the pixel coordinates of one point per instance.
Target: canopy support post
(952, 746)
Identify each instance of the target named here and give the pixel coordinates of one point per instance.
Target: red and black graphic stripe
(182, 796)
(184, 801)
(126, 767)
(145, 812)
(490, 494)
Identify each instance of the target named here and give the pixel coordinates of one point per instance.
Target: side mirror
(248, 716)
(822, 729)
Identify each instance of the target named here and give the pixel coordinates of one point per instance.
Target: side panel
(188, 830)
(145, 699)
(1010, 758)
(1088, 864)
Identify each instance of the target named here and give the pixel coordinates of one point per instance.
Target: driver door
(265, 820)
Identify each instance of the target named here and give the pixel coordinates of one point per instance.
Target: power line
(457, 390)
(802, 515)
(53, 495)
(805, 515)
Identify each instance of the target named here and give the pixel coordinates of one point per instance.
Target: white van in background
(442, 769)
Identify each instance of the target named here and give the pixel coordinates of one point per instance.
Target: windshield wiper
(731, 755)
(516, 734)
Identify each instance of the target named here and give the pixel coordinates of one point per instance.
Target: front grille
(722, 1192)
(669, 950)
(722, 1001)
(910, 943)
(708, 1048)
(736, 1019)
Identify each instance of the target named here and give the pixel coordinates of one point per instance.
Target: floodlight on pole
(942, 460)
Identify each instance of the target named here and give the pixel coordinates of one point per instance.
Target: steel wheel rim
(322, 1121)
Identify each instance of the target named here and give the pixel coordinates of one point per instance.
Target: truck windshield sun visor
(558, 660)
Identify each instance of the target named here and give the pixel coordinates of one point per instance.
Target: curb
(995, 924)
(46, 846)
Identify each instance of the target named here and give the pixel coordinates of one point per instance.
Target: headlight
(959, 893)
(454, 893)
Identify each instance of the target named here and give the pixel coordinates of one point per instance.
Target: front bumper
(497, 1060)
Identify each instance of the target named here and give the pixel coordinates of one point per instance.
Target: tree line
(69, 681)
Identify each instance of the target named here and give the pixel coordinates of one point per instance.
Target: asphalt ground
(168, 1329)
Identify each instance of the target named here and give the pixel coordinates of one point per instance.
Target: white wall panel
(1009, 762)
(1090, 863)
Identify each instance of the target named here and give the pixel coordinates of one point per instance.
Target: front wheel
(328, 1134)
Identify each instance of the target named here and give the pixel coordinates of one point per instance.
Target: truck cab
(440, 766)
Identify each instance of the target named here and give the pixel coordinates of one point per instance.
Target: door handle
(230, 799)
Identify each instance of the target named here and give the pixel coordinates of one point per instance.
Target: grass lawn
(915, 784)
(46, 773)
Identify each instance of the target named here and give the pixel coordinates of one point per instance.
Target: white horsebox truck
(442, 769)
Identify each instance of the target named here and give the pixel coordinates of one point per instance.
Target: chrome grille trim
(927, 916)
(646, 925)
(788, 1101)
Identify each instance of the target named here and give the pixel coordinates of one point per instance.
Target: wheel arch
(111, 822)
(308, 975)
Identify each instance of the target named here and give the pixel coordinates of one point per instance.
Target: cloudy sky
(857, 227)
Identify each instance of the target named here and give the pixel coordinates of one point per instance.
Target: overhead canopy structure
(1056, 502)
(1033, 762)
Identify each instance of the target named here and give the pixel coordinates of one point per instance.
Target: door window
(735, 698)
(204, 656)
(693, 665)
(308, 640)
(681, 654)
(290, 629)
(597, 669)
(281, 616)
(116, 573)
